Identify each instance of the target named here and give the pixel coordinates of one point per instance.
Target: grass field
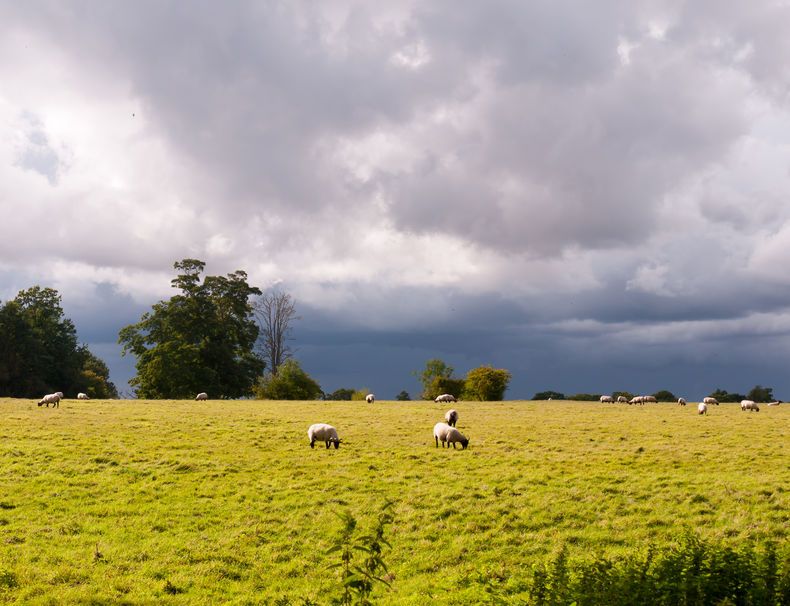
(176, 502)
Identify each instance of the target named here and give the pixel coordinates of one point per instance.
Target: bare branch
(275, 312)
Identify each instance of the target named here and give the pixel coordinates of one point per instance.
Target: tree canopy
(39, 351)
(486, 384)
(549, 395)
(201, 339)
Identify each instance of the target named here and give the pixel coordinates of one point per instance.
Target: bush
(403, 396)
(665, 396)
(441, 385)
(549, 395)
(342, 394)
(486, 384)
(758, 393)
(586, 397)
(290, 383)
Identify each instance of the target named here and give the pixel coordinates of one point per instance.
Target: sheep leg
(312, 443)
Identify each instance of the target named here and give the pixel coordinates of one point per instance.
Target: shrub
(549, 395)
(290, 383)
(486, 384)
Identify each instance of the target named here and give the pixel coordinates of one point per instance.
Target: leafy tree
(549, 395)
(723, 396)
(94, 377)
(758, 393)
(360, 394)
(20, 355)
(199, 340)
(275, 312)
(403, 396)
(585, 397)
(290, 383)
(665, 396)
(340, 394)
(486, 384)
(434, 369)
(441, 385)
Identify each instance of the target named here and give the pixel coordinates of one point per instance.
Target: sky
(595, 196)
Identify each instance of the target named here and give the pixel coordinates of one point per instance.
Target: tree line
(758, 393)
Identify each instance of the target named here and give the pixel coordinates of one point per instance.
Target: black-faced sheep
(370, 398)
(201, 396)
(445, 397)
(451, 416)
(52, 398)
(321, 432)
(749, 405)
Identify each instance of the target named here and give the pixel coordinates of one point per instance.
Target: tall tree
(199, 340)
(39, 352)
(431, 378)
(486, 384)
(275, 312)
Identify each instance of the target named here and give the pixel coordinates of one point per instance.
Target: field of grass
(177, 502)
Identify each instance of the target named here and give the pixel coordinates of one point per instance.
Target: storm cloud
(595, 197)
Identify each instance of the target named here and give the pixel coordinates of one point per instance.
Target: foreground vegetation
(180, 502)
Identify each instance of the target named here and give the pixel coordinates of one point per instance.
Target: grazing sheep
(321, 432)
(370, 398)
(622, 400)
(682, 402)
(445, 397)
(637, 400)
(648, 399)
(82, 396)
(451, 416)
(52, 398)
(607, 399)
(201, 396)
(702, 408)
(710, 400)
(445, 434)
(777, 403)
(749, 405)
(454, 436)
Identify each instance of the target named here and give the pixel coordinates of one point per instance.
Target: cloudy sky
(595, 196)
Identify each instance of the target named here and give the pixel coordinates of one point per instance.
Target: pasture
(181, 502)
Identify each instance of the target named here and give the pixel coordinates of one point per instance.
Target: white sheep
(370, 398)
(321, 432)
(82, 396)
(201, 396)
(447, 435)
(777, 403)
(451, 416)
(648, 399)
(51, 398)
(702, 408)
(710, 400)
(637, 400)
(445, 397)
(622, 400)
(682, 402)
(749, 405)
(607, 399)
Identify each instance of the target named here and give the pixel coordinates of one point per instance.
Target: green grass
(175, 502)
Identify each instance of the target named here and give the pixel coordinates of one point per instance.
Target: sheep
(637, 400)
(445, 397)
(777, 403)
(321, 432)
(749, 405)
(710, 400)
(702, 408)
(445, 434)
(622, 400)
(607, 399)
(648, 399)
(52, 398)
(82, 396)
(370, 398)
(201, 396)
(451, 416)
(682, 402)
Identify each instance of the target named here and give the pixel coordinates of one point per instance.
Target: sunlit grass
(224, 502)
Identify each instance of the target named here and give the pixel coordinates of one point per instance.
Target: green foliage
(549, 395)
(290, 383)
(403, 396)
(360, 394)
(199, 340)
(441, 385)
(342, 394)
(585, 397)
(434, 369)
(723, 396)
(758, 393)
(358, 580)
(486, 384)
(39, 352)
(665, 396)
(626, 394)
